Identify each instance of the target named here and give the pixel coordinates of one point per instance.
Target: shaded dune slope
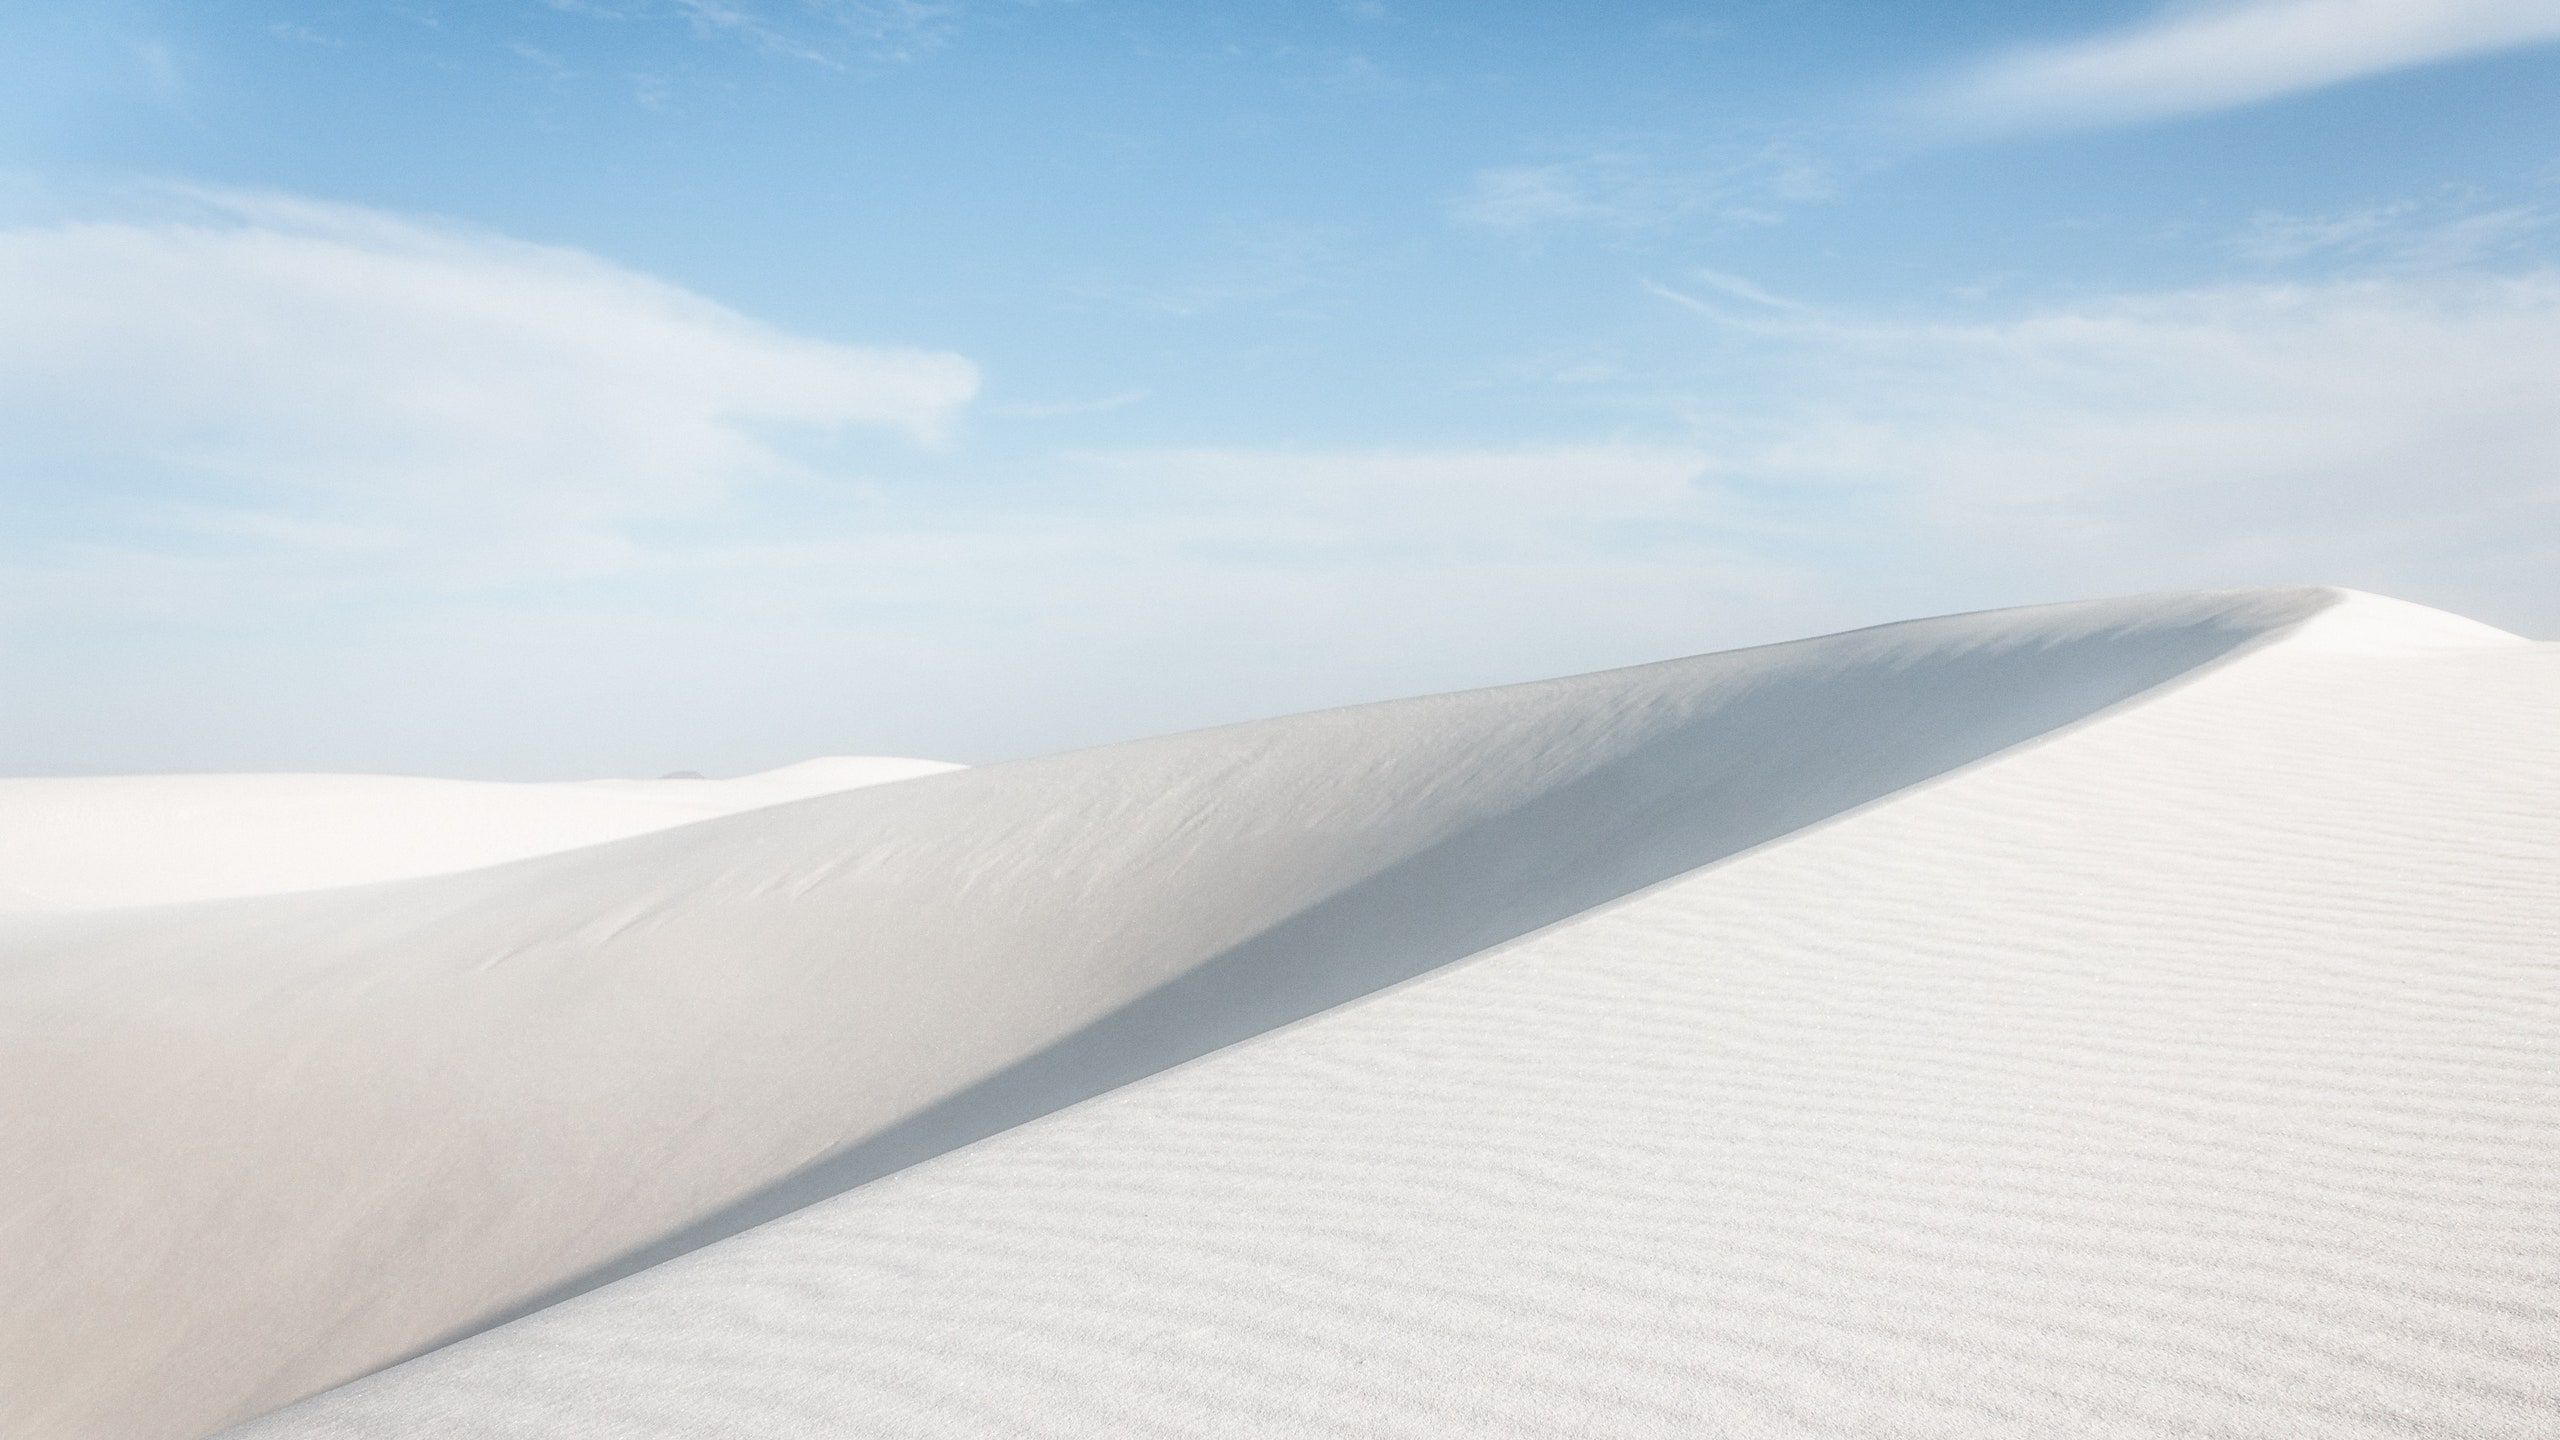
(348, 1125)
(2187, 1074)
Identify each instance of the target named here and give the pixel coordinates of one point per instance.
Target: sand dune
(1872, 1070)
(95, 843)
(2189, 1073)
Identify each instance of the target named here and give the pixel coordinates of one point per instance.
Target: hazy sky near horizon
(529, 389)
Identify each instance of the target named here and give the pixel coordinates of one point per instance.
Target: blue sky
(614, 386)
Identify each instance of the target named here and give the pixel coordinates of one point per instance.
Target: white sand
(2184, 1072)
(95, 843)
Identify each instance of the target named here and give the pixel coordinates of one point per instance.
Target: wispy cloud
(2403, 234)
(263, 351)
(541, 59)
(1637, 190)
(1520, 197)
(826, 32)
(1757, 303)
(293, 34)
(2274, 237)
(2391, 430)
(160, 69)
(2190, 58)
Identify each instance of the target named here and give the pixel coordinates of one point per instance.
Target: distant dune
(110, 841)
(2119, 1019)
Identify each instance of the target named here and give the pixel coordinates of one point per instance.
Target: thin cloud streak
(259, 350)
(2188, 60)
